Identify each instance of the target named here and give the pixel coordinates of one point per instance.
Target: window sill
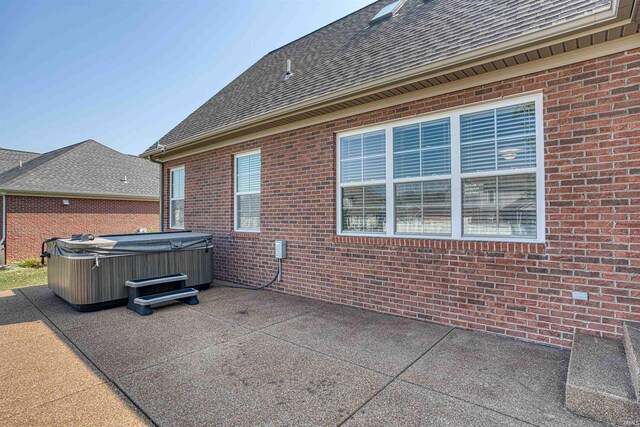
(245, 234)
(472, 245)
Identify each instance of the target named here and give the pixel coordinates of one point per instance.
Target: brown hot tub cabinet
(90, 275)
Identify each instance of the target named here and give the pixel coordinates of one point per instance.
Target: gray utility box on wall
(281, 249)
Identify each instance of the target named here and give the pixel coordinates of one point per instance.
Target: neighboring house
(84, 188)
(473, 163)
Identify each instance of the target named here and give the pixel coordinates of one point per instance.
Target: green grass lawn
(17, 277)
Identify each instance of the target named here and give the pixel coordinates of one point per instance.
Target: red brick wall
(592, 174)
(30, 220)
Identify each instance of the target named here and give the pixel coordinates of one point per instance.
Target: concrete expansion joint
(394, 378)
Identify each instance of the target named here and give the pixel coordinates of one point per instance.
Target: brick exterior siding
(30, 220)
(592, 181)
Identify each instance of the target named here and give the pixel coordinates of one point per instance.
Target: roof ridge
(19, 151)
(26, 168)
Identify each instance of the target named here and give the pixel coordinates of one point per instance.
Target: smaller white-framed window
(176, 198)
(246, 205)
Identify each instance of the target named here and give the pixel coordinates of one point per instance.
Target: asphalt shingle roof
(349, 52)
(9, 159)
(84, 168)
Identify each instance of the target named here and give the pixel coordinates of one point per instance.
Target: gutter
(32, 193)
(539, 36)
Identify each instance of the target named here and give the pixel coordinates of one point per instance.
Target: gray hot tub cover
(130, 244)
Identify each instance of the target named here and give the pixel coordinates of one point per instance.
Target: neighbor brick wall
(30, 220)
(592, 174)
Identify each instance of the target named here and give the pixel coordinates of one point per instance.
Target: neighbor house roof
(9, 159)
(87, 168)
(352, 51)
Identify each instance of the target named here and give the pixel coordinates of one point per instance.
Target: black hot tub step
(142, 305)
(140, 283)
(168, 296)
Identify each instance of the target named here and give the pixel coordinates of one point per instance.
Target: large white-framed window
(474, 173)
(247, 191)
(176, 198)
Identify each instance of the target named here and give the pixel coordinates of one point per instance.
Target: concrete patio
(262, 358)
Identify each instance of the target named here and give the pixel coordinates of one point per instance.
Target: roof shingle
(350, 51)
(10, 159)
(87, 168)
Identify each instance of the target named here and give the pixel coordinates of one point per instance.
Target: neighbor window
(176, 199)
(473, 174)
(247, 191)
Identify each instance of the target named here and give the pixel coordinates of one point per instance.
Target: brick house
(83, 188)
(475, 164)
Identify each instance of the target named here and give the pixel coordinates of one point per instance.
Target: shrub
(30, 263)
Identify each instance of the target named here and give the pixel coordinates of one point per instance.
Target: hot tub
(91, 274)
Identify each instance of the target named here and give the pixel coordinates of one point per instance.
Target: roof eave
(619, 11)
(101, 196)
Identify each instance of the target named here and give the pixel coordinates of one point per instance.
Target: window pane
(352, 209)
(407, 164)
(362, 157)
(244, 165)
(351, 170)
(436, 161)
(406, 138)
(177, 184)
(516, 120)
(248, 173)
(423, 207)
(516, 136)
(436, 146)
(364, 208)
(375, 196)
(506, 134)
(177, 214)
(406, 146)
(373, 143)
(373, 168)
(249, 211)
(254, 181)
(517, 205)
(422, 149)
(435, 134)
(408, 205)
(477, 141)
(500, 206)
(437, 207)
(479, 206)
(516, 153)
(351, 147)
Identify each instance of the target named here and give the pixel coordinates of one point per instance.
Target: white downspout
(161, 191)
(3, 259)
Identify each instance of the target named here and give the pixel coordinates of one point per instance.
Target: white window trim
(456, 175)
(171, 198)
(236, 193)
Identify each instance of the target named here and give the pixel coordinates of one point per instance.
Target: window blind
(247, 198)
(362, 157)
(498, 139)
(422, 149)
(469, 174)
(499, 206)
(176, 198)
